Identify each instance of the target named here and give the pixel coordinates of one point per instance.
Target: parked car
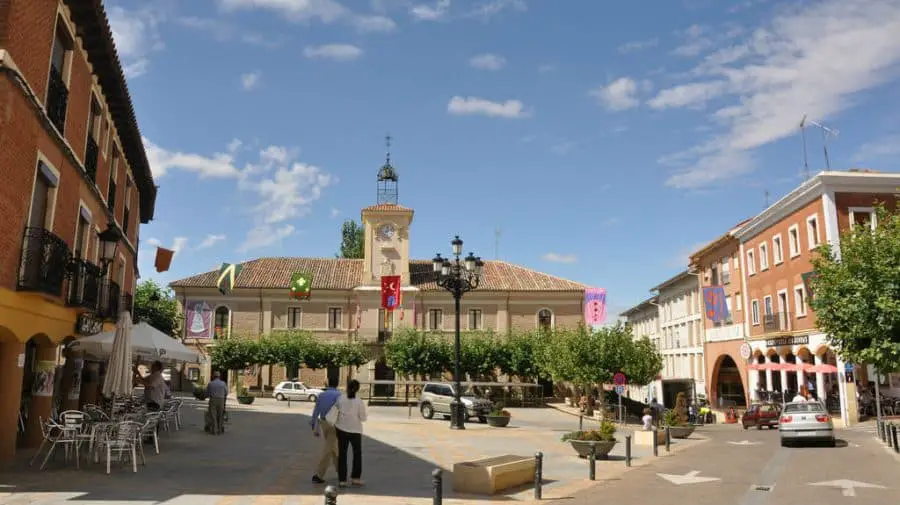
(294, 390)
(436, 398)
(806, 422)
(761, 414)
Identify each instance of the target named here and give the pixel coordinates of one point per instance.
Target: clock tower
(386, 226)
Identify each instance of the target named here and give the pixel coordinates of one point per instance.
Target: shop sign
(786, 341)
(88, 324)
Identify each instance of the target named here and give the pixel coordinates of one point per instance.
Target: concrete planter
(680, 431)
(601, 448)
(246, 400)
(498, 421)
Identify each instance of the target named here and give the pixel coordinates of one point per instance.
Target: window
(475, 319)
(794, 241)
(738, 306)
(82, 234)
(777, 250)
(863, 216)
(812, 231)
(42, 197)
(726, 270)
(729, 304)
(222, 323)
(435, 319)
(754, 311)
(57, 101)
(334, 318)
(751, 263)
(295, 316)
(193, 374)
(763, 256)
(92, 149)
(545, 320)
(767, 303)
(126, 218)
(111, 193)
(800, 300)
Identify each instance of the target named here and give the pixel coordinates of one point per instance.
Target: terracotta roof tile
(339, 274)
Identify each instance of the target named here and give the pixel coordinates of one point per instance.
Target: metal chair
(124, 440)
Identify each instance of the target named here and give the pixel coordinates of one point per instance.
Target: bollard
(655, 443)
(627, 450)
(592, 463)
(331, 495)
(880, 429)
(894, 437)
(437, 484)
(580, 422)
(887, 435)
(538, 474)
(668, 440)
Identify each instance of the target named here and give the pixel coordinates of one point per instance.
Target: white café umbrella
(118, 368)
(147, 343)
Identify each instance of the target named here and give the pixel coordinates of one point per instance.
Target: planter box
(492, 475)
(601, 448)
(246, 400)
(680, 431)
(648, 438)
(498, 421)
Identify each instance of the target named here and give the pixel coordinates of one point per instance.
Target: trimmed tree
(417, 354)
(156, 306)
(643, 363)
(521, 355)
(856, 293)
(480, 356)
(235, 354)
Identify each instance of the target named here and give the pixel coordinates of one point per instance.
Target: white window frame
(779, 258)
(88, 242)
(287, 317)
(792, 250)
(52, 193)
(813, 241)
(751, 262)
(537, 319)
(737, 302)
(340, 325)
(480, 319)
(768, 306)
(763, 257)
(754, 312)
(800, 302)
(439, 327)
(873, 217)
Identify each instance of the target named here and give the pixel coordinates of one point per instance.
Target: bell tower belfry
(387, 179)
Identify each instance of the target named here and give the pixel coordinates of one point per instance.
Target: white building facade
(643, 319)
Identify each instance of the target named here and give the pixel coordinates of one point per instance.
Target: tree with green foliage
(353, 240)
(855, 292)
(294, 348)
(235, 353)
(156, 306)
(416, 354)
(522, 355)
(480, 356)
(643, 363)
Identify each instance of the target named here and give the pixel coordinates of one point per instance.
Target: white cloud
(488, 9)
(266, 236)
(564, 147)
(439, 10)
(250, 80)
(374, 24)
(546, 69)
(324, 11)
(879, 149)
(162, 160)
(620, 94)
(433, 12)
(553, 257)
(810, 59)
(234, 146)
(488, 61)
(637, 45)
(136, 37)
(686, 95)
(335, 212)
(210, 241)
(468, 106)
(336, 52)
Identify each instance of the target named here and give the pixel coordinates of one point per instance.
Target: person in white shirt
(648, 420)
(349, 427)
(802, 396)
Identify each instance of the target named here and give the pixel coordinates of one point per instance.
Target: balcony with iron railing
(110, 298)
(44, 262)
(775, 322)
(57, 99)
(91, 153)
(84, 284)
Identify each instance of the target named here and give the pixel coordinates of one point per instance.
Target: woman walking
(349, 427)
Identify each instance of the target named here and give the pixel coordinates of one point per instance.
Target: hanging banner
(163, 259)
(301, 285)
(390, 292)
(716, 306)
(77, 371)
(44, 378)
(808, 279)
(198, 320)
(595, 306)
(227, 275)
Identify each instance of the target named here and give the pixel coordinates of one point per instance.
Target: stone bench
(646, 438)
(491, 475)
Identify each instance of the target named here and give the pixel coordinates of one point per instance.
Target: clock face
(386, 231)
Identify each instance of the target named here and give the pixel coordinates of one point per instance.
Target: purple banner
(198, 320)
(716, 306)
(595, 306)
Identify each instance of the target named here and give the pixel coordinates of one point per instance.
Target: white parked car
(292, 390)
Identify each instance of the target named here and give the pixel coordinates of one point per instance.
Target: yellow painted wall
(30, 314)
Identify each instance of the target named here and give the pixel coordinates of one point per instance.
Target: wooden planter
(246, 400)
(601, 448)
(498, 421)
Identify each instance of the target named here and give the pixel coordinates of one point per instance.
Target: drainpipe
(659, 312)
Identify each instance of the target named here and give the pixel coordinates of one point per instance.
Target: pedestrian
(325, 429)
(350, 418)
(154, 386)
(217, 391)
(647, 419)
(802, 396)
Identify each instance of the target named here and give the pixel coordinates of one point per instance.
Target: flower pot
(680, 431)
(200, 395)
(601, 448)
(498, 421)
(245, 400)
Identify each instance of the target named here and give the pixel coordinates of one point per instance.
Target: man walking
(218, 392)
(320, 426)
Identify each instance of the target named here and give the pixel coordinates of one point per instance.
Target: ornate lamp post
(458, 277)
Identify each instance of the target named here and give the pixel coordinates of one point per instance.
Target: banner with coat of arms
(301, 285)
(595, 306)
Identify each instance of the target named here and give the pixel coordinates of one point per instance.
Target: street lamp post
(458, 277)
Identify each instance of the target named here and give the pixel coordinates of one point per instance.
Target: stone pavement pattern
(751, 468)
(268, 454)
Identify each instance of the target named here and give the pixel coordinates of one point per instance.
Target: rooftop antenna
(767, 199)
(826, 132)
(805, 155)
(497, 232)
(387, 143)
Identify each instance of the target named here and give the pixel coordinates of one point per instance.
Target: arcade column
(71, 384)
(11, 352)
(41, 405)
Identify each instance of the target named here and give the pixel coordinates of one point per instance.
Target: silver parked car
(294, 390)
(806, 422)
(436, 398)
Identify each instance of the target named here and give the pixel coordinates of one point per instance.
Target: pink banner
(198, 320)
(595, 306)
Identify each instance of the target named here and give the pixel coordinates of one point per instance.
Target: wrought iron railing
(57, 99)
(91, 153)
(44, 261)
(110, 298)
(84, 284)
(778, 321)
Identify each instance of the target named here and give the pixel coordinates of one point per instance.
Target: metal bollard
(894, 436)
(538, 475)
(880, 429)
(889, 439)
(437, 484)
(627, 450)
(668, 440)
(592, 464)
(331, 495)
(655, 444)
(580, 422)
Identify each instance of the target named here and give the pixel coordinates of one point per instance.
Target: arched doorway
(729, 387)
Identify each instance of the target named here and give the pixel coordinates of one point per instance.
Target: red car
(762, 414)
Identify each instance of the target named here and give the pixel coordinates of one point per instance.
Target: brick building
(346, 296)
(74, 183)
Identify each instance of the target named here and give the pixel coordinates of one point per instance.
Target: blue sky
(607, 140)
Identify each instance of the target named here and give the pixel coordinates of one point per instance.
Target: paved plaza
(268, 454)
